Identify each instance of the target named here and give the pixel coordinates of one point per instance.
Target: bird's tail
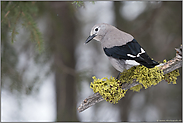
(150, 64)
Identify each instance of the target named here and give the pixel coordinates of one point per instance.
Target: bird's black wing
(120, 52)
(131, 51)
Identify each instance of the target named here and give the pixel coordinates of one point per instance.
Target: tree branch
(167, 67)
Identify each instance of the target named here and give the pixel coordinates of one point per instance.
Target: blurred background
(47, 70)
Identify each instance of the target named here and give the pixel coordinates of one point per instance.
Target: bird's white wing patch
(132, 62)
(142, 51)
(131, 55)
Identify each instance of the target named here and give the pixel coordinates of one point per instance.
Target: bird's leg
(118, 76)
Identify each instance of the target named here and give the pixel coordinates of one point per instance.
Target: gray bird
(121, 48)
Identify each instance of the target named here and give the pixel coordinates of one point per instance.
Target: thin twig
(66, 68)
(14, 29)
(167, 67)
(34, 31)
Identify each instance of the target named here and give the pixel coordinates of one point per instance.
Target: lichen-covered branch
(167, 67)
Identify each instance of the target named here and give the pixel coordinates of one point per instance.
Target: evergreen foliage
(80, 3)
(15, 12)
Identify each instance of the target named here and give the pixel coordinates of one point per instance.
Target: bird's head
(97, 32)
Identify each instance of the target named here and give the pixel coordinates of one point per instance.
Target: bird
(121, 48)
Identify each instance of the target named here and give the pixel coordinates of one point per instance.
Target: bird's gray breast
(120, 64)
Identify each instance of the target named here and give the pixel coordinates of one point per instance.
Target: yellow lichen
(110, 89)
(146, 76)
(164, 61)
(136, 88)
(172, 76)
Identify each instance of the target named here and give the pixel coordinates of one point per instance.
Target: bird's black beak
(89, 38)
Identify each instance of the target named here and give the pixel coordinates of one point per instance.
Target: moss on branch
(111, 89)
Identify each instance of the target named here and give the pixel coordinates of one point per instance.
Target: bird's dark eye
(96, 29)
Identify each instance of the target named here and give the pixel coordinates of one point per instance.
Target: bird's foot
(118, 76)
